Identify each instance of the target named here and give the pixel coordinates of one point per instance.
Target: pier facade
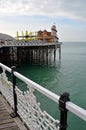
(34, 47)
(19, 53)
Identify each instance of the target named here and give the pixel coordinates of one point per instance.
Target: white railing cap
(80, 112)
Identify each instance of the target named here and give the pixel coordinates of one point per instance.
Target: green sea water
(68, 75)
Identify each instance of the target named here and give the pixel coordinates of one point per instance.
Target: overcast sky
(68, 15)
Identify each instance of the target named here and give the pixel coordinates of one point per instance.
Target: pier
(39, 47)
(25, 105)
(19, 53)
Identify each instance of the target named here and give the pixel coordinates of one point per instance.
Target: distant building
(54, 33)
(43, 36)
(48, 36)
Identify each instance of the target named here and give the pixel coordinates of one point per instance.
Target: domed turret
(53, 28)
(54, 33)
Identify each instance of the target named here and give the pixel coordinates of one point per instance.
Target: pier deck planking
(6, 121)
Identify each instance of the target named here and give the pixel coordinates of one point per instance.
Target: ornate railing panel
(6, 88)
(27, 106)
(31, 113)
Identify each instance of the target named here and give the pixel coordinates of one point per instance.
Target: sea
(66, 75)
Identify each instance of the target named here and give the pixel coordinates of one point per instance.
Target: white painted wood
(5, 67)
(31, 113)
(80, 112)
(6, 88)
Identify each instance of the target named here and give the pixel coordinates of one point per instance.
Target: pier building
(43, 36)
(54, 34)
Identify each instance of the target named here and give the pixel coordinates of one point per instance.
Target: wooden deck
(6, 121)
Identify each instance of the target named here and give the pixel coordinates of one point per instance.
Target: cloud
(74, 9)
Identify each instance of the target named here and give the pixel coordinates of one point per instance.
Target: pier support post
(1, 70)
(14, 114)
(47, 55)
(54, 54)
(59, 53)
(63, 111)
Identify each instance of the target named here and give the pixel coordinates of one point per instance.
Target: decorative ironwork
(28, 108)
(6, 88)
(31, 113)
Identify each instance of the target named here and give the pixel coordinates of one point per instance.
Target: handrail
(5, 67)
(38, 87)
(75, 109)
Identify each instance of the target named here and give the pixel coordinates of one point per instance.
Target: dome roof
(53, 27)
(5, 37)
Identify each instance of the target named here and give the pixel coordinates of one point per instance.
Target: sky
(69, 16)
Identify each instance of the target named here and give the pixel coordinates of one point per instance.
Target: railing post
(14, 114)
(0, 73)
(63, 111)
(1, 70)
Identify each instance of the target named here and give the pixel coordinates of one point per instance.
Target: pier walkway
(6, 121)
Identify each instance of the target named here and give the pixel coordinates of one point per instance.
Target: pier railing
(26, 106)
(27, 43)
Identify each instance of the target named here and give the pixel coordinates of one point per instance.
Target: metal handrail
(32, 84)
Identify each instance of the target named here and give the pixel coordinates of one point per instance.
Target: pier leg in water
(54, 55)
(59, 53)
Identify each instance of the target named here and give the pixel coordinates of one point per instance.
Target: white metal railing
(27, 106)
(27, 43)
